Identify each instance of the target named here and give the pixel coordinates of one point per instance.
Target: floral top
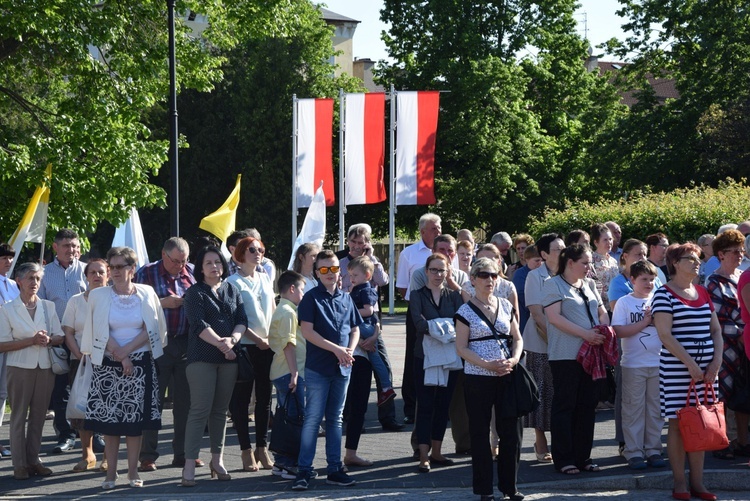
(603, 269)
(488, 349)
(503, 288)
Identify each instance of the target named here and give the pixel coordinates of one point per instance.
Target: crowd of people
(578, 315)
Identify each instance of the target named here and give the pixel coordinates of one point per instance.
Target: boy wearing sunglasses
(330, 322)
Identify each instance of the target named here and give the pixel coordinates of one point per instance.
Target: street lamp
(174, 204)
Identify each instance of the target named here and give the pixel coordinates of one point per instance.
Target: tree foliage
(703, 47)
(244, 126)
(522, 111)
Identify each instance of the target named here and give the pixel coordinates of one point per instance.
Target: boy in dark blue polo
(330, 324)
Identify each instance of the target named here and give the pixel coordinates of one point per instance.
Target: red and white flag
(314, 149)
(416, 129)
(364, 153)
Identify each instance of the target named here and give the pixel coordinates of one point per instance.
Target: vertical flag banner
(314, 226)
(221, 223)
(416, 130)
(33, 225)
(314, 150)
(130, 234)
(364, 156)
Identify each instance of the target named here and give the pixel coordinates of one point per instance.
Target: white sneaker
(285, 473)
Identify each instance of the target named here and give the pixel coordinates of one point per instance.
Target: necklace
(486, 305)
(30, 307)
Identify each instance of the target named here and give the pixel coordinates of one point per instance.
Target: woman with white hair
(503, 242)
(28, 326)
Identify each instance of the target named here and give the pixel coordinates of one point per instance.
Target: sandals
(570, 470)
(442, 462)
(592, 468)
(544, 457)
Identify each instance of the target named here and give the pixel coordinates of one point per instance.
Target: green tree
(76, 81)
(703, 47)
(244, 126)
(522, 111)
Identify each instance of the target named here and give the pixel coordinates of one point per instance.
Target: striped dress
(691, 327)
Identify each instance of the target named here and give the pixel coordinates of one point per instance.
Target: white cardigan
(16, 324)
(96, 331)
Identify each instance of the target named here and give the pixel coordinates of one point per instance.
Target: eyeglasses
(325, 270)
(97, 272)
(437, 271)
(735, 251)
(177, 262)
(484, 275)
(692, 259)
(259, 250)
(119, 267)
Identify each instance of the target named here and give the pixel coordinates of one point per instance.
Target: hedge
(683, 215)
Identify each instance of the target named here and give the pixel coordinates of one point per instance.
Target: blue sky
(602, 23)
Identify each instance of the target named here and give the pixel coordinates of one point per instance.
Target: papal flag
(33, 225)
(130, 234)
(364, 157)
(221, 223)
(416, 131)
(314, 227)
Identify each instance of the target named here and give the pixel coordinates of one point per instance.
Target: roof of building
(663, 86)
(329, 15)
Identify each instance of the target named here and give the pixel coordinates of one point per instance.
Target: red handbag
(703, 426)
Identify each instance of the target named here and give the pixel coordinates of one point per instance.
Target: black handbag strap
(495, 334)
(300, 409)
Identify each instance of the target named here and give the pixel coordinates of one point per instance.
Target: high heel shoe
(705, 496)
(216, 473)
(261, 456)
(187, 482)
(248, 460)
(110, 484)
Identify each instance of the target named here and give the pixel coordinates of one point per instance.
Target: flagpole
(342, 183)
(392, 211)
(294, 168)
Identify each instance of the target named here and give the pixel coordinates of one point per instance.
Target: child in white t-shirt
(641, 415)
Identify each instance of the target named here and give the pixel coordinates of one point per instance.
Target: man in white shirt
(410, 259)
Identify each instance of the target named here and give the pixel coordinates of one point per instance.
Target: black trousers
(357, 396)
(408, 390)
(482, 393)
(261, 360)
(573, 414)
(59, 404)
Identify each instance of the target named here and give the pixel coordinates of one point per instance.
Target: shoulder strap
(481, 315)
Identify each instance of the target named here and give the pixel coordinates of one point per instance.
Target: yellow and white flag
(33, 225)
(221, 223)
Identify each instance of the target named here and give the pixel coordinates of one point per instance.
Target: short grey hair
(483, 263)
(703, 239)
(360, 230)
(501, 237)
(252, 232)
(28, 268)
(176, 243)
(725, 227)
(427, 218)
(126, 253)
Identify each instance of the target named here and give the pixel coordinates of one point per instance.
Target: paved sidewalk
(394, 475)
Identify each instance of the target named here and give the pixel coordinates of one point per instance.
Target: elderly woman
(217, 323)
(488, 339)
(257, 295)
(433, 301)
(692, 349)
(705, 242)
(574, 309)
(125, 331)
(603, 266)
(73, 323)
(729, 248)
(304, 260)
(8, 292)
(28, 325)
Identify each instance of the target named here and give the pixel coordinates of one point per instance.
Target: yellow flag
(34, 221)
(221, 223)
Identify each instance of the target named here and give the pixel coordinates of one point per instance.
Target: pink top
(741, 283)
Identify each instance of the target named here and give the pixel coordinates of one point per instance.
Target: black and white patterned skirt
(124, 405)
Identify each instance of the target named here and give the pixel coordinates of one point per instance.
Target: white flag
(314, 226)
(130, 234)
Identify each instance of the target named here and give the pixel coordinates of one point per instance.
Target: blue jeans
(378, 366)
(282, 387)
(325, 395)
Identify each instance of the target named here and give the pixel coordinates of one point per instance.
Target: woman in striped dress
(692, 346)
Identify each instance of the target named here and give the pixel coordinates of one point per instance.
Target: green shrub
(682, 215)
